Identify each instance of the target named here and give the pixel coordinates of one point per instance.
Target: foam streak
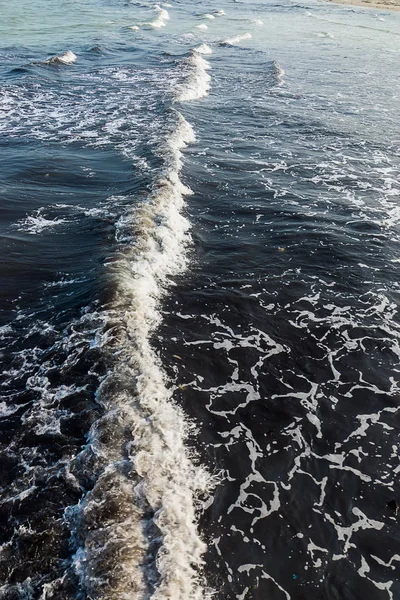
(136, 529)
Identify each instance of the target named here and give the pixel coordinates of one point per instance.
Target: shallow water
(199, 234)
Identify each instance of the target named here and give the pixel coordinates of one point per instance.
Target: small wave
(161, 18)
(197, 82)
(257, 22)
(7, 409)
(219, 13)
(325, 34)
(208, 16)
(203, 49)
(202, 26)
(236, 39)
(67, 58)
(279, 73)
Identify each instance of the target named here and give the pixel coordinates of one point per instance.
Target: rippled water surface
(199, 331)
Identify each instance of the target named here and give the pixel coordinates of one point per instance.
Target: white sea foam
(165, 483)
(161, 18)
(236, 39)
(219, 13)
(208, 16)
(67, 58)
(279, 73)
(198, 81)
(34, 224)
(203, 49)
(202, 26)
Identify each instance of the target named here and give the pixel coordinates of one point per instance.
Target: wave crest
(136, 528)
(67, 58)
(161, 18)
(236, 39)
(198, 81)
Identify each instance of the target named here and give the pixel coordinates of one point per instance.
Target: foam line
(137, 527)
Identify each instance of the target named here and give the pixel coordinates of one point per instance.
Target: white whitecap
(67, 58)
(198, 81)
(236, 39)
(161, 18)
(203, 49)
(279, 73)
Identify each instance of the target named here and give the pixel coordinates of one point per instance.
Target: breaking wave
(198, 81)
(203, 49)
(236, 39)
(161, 18)
(136, 529)
(67, 58)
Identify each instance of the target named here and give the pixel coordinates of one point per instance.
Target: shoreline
(384, 5)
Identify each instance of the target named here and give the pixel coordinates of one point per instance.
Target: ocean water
(200, 273)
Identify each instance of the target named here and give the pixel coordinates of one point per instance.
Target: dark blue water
(199, 236)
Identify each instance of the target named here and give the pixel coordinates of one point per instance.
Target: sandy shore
(380, 4)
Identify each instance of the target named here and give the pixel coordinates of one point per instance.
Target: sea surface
(200, 286)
